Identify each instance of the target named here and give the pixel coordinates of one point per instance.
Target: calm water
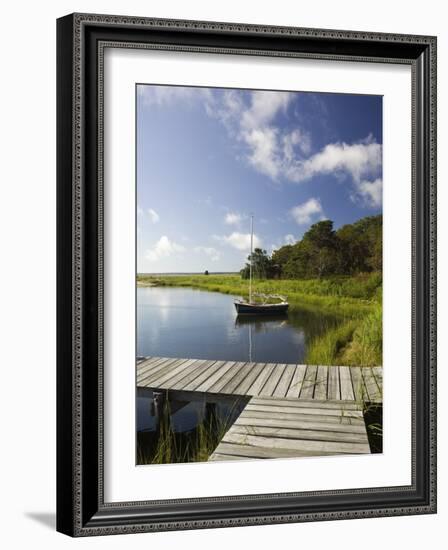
(189, 323)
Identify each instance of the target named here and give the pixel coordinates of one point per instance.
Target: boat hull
(244, 308)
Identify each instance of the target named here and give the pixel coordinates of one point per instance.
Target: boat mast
(251, 253)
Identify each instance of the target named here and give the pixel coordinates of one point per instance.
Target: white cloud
(370, 192)
(233, 218)
(240, 241)
(304, 213)
(153, 216)
(264, 107)
(139, 210)
(284, 153)
(296, 139)
(276, 151)
(209, 251)
(263, 154)
(250, 119)
(360, 160)
(289, 239)
(163, 248)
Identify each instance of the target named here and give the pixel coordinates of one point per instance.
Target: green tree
(322, 251)
(262, 267)
(280, 258)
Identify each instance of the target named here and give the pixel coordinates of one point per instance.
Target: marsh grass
(366, 346)
(326, 349)
(169, 447)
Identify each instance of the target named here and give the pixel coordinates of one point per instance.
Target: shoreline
(356, 340)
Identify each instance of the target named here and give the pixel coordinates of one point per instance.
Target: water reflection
(184, 322)
(176, 427)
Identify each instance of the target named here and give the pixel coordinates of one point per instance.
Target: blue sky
(207, 158)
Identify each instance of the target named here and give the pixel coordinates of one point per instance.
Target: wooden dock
(262, 379)
(293, 410)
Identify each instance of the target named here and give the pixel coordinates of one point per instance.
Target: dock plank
(305, 422)
(261, 379)
(297, 433)
(358, 384)
(284, 382)
(156, 367)
(178, 374)
(243, 388)
(159, 378)
(243, 371)
(296, 382)
(346, 383)
(309, 382)
(273, 380)
(300, 403)
(205, 372)
(378, 373)
(246, 452)
(227, 376)
(284, 409)
(320, 391)
(333, 390)
(149, 365)
(273, 443)
(268, 412)
(372, 388)
(209, 382)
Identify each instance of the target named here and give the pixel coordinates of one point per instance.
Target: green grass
(353, 342)
(366, 346)
(326, 349)
(194, 446)
(356, 301)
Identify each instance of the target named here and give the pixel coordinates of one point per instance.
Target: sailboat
(265, 305)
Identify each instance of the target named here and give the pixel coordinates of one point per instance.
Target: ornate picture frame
(81, 506)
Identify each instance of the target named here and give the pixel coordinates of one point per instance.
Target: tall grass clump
(326, 349)
(366, 347)
(194, 446)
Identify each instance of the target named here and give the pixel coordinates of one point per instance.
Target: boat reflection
(259, 324)
(262, 323)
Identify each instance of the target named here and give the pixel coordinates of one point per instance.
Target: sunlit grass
(326, 349)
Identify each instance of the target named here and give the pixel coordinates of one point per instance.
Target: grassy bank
(353, 342)
(347, 296)
(356, 301)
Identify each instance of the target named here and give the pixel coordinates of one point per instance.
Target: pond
(198, 324)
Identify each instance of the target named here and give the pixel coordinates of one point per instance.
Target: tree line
(322, 251)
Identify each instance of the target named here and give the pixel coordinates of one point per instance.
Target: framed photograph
(246, 274)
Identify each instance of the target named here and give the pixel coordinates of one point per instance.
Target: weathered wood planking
(283, 428)
(296, 382)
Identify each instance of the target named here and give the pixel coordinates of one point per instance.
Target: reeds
(194, 446)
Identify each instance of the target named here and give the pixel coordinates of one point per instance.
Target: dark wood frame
(81, 510)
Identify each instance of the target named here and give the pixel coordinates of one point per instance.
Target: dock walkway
(293, 410)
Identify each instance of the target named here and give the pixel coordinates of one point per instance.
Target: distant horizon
(207, 158)
(187, 272)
